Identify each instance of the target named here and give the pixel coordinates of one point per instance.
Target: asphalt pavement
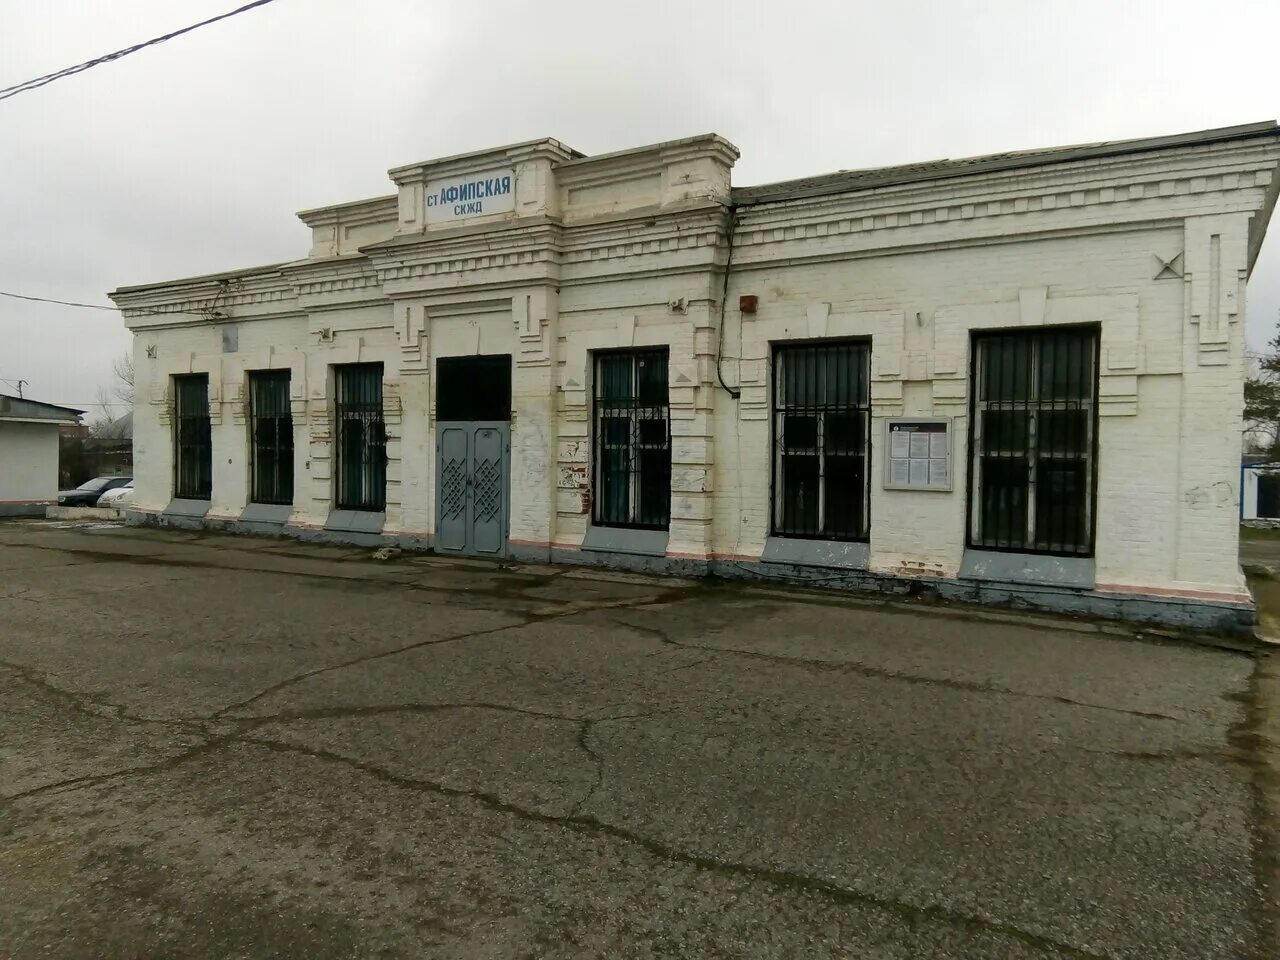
(218, 747)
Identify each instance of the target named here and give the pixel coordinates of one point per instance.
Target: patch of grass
(1258, 533)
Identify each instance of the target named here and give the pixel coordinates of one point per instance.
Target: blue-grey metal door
(473, 490)
(451, 488)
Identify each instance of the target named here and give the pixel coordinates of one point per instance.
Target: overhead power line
(32, 84)
(65, 303)
(101, 306)
(86, 403)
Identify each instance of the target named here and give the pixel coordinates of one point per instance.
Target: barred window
(360, 450)
(271, 430)
(1032, 441)
(822, 440)
(632, 438)
(193, 446)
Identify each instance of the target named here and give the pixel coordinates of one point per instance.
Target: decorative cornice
(505, 235)
(1089, 194)
(355, 213)
(863, 213)
(1193, 147)
(624, 164)
(212, 299)
(205, 284)
(309, 277)
(1081, 184)
(544, 149)
(308, 288)
(489, 261)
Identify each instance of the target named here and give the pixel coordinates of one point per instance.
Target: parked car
(117, 496)
(87, 494)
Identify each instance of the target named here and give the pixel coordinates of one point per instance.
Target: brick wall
(1153, 249)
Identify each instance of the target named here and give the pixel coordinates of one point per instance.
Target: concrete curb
(84, 513)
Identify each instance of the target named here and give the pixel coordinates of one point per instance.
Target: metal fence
(1033, 441)
(271, 426)
(632, 418)
(360, 452)
(193, 448)
(822, 440)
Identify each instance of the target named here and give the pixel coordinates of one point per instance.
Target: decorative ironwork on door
(486, 493)
(472, 493)
(453, 487)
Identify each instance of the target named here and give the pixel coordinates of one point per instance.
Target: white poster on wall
(919, 453)
(471, 195)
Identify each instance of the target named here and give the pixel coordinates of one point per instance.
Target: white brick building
(623, 359)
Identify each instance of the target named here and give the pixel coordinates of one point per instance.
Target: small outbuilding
(29, 454)
(1259, 489)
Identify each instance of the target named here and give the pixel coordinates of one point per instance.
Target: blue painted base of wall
(1180, 613)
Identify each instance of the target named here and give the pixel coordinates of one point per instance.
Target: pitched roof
(20, 408)
(848, 181)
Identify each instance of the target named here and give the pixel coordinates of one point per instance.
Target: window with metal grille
(1032, 441)
(632, 420)
(193, 447)
(822, 440)
(360, 450)
(271, 427)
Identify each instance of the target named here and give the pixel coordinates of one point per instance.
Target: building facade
(29, 454)
(1010, 378)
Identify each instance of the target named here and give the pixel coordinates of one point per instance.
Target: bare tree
(122, 367)
(119, 393)
(104, 413)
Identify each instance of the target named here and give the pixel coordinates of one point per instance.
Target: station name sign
(472, 195)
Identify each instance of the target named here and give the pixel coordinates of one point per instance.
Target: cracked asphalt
(216, 747)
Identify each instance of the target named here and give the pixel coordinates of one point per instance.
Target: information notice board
(917, 453)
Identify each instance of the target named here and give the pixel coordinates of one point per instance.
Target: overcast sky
(193, 156)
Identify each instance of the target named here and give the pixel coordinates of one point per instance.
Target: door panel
(488, 491)
(452, 496)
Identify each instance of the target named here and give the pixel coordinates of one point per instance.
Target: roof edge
(40, 403)
(244, 274)
(851, 181)
(712, 140)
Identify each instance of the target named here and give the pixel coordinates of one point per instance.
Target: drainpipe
(732, 211)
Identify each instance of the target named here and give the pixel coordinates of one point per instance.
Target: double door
(473, 489)
(473, 444)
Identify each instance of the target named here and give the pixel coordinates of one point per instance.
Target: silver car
(117, 496)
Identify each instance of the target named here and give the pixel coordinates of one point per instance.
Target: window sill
(355, 521)
(266, 513)
(1030, 568)
(641, 543)
(183, 507)
(851, 554)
